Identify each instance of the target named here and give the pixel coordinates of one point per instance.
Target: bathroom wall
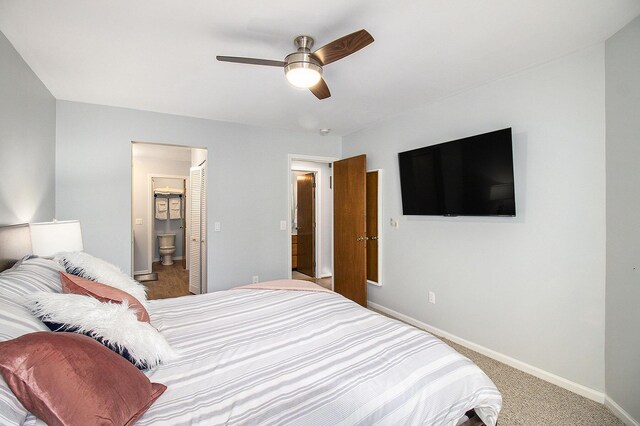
(151, 160)
(169, 226)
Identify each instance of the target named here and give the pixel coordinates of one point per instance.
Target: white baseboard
(146, 271)
(619, 412)
(522, 366)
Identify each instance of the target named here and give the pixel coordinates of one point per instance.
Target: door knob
(361, 238)
(375, 237)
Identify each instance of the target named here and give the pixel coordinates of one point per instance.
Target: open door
(197, 243)
(349, 228)
(306, 224)
(183, 206)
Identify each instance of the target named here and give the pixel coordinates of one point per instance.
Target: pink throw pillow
(70, 379)
(104, 293)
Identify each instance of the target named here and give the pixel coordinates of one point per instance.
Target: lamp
(303, 77)
(49, 238)
(302, 70)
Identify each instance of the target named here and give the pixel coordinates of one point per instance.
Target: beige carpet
(527, 400)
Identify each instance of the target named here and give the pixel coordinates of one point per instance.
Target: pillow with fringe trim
(114, 325)
(92, 268)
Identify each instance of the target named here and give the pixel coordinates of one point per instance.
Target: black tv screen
(466, 177)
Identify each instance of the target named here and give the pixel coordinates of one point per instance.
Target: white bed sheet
(307, 358)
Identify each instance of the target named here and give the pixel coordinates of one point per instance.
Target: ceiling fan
(303, 68)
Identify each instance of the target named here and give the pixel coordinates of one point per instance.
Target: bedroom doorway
(310, 205)
(168, 219)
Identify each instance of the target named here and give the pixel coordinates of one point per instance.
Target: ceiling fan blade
(321, 90)
(252, 61)
(344, 46)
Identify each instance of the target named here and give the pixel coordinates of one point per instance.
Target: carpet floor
(527, 400)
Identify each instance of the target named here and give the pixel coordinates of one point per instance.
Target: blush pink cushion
(104, 293)
(70, 379)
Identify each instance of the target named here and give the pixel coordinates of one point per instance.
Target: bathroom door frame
(291, 158)
(151, 215)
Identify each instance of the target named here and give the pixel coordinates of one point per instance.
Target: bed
(282, 356)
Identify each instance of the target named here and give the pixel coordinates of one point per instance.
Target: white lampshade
(49, 238)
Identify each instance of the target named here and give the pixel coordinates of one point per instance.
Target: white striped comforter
(273, 357)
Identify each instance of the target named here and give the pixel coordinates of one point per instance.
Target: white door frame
(317, 176)
(151, 215)
(311, 159)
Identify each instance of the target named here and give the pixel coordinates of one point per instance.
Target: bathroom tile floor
(173, 281)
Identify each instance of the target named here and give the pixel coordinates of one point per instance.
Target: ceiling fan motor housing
(302, 59)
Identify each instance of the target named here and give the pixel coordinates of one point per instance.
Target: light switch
(138, 221)
(216, 226)
(283, 225)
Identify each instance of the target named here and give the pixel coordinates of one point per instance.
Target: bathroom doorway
(311, 219)
(165, 256)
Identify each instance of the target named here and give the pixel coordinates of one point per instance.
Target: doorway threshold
(146, 277)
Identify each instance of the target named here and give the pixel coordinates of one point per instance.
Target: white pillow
(112, 324)
(27, 276)
(92, 268)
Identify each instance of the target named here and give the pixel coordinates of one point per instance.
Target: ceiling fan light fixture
(303, 74)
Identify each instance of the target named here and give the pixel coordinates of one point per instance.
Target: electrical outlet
(432, 297)
(283, 225)
(216, 226)
(394, 223)
(255, 279)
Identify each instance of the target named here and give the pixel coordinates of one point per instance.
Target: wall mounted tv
(466, 177)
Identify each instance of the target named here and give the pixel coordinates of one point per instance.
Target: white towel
(174, 209)
(161, 208)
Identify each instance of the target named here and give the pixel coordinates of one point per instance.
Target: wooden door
(306, 224)
(349, 228)
(372, 226)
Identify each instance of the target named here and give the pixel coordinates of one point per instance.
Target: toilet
(167, 245)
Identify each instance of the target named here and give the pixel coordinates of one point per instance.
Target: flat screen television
(466, 177)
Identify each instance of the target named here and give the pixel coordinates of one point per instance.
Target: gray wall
(248, 180)
(530, 287)
(27, 142)
(623, 215)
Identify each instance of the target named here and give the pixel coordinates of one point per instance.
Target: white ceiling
(159, 55)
